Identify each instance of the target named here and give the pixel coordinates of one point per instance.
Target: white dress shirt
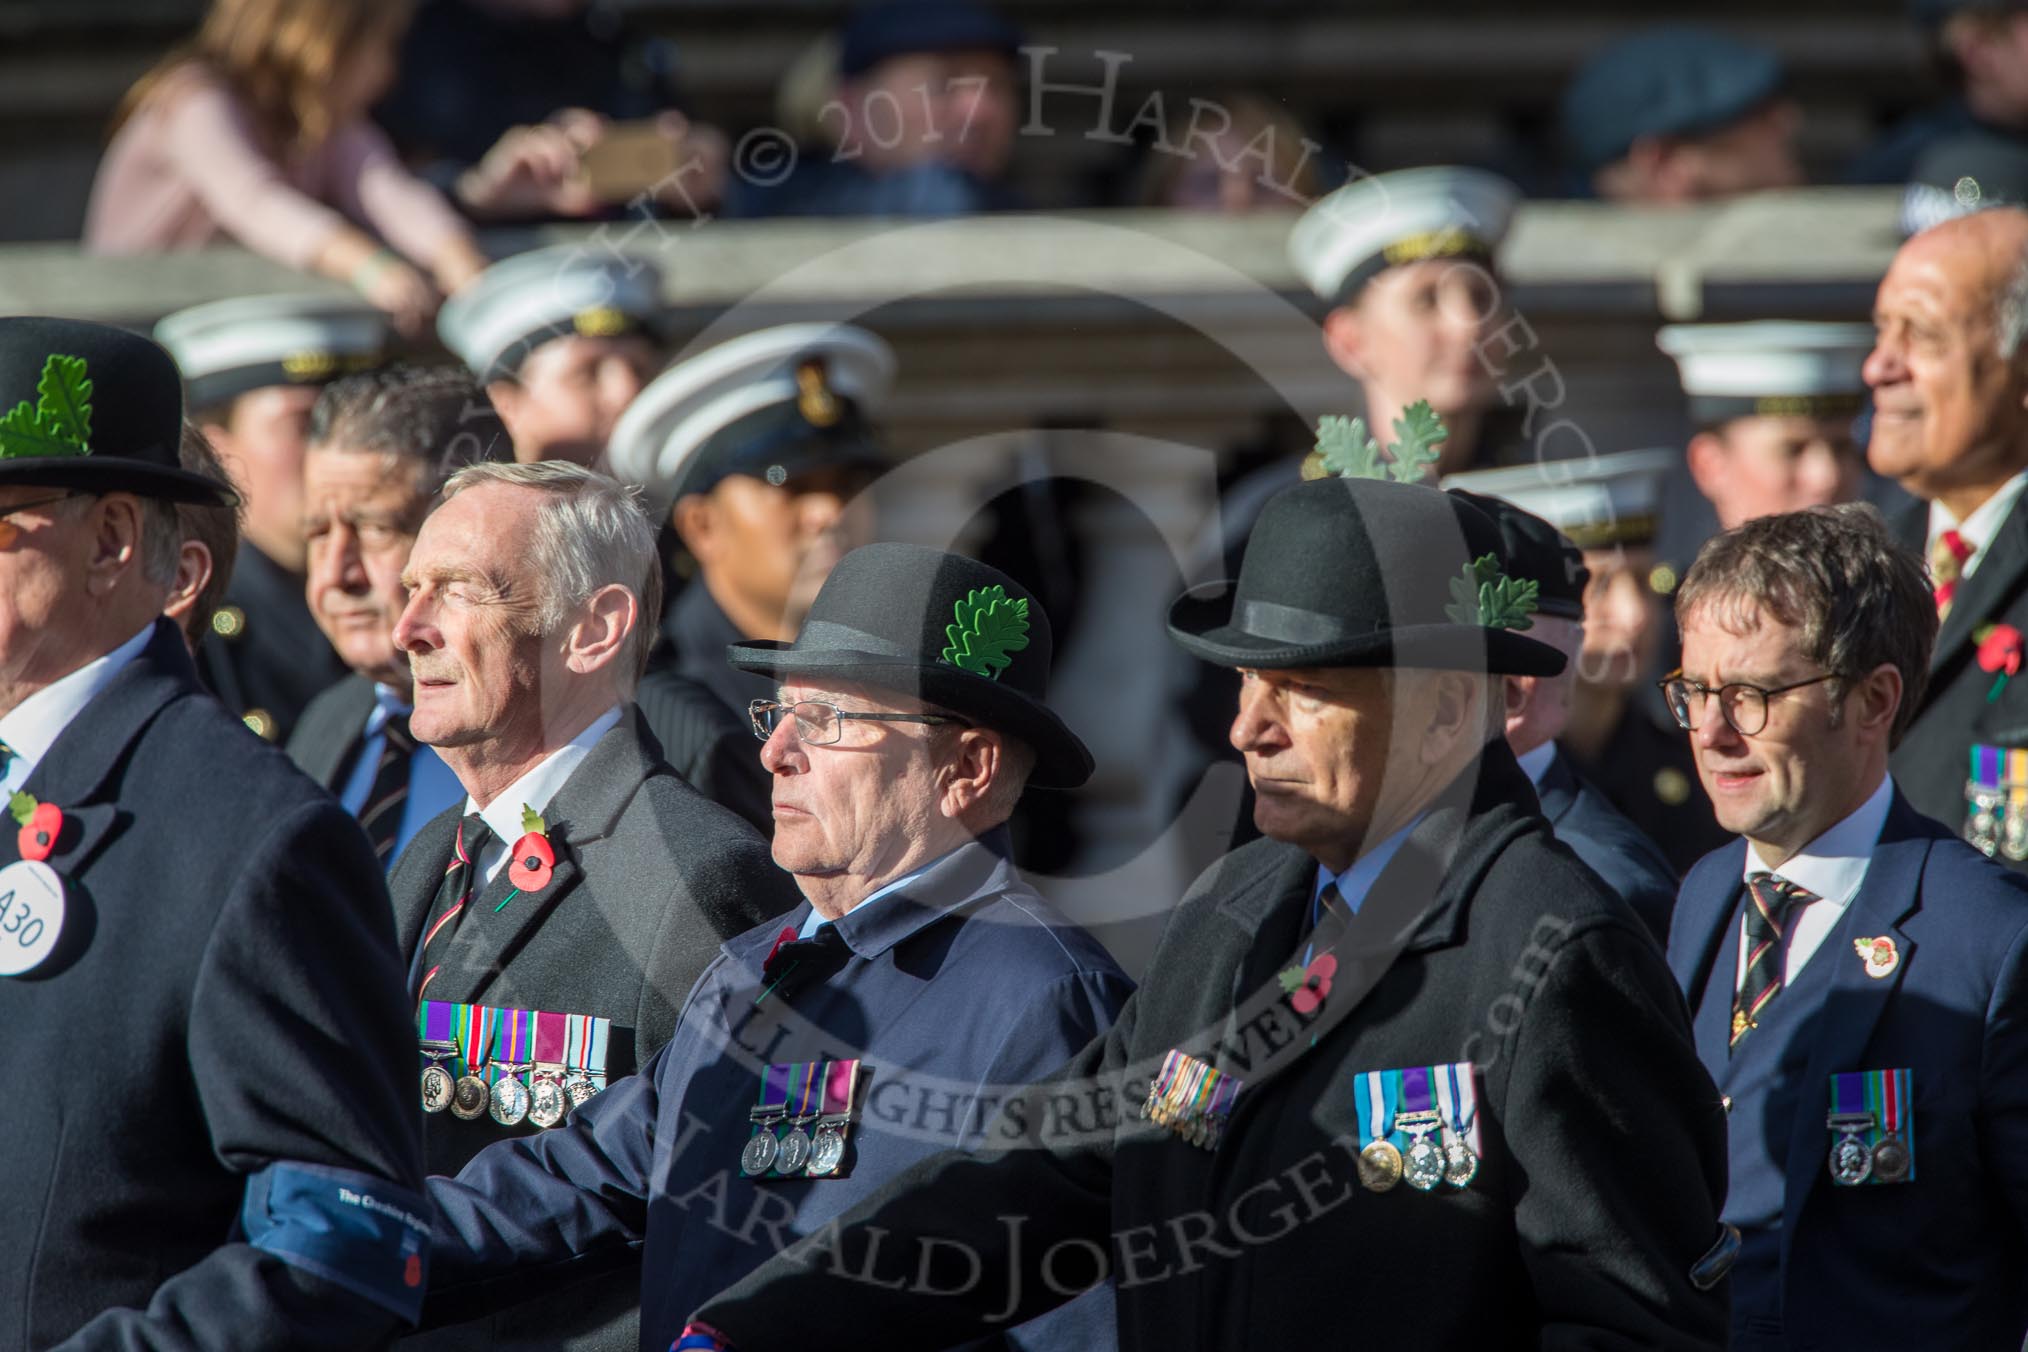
(32, 726)
(1980, 527)
(1831, 867)
(534, 789)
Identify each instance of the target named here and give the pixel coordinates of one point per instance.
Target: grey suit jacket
(650, 878)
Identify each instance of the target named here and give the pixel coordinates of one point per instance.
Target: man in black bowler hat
(1538, 707)
(822, 1053)
(1405, 1067)
(211, 1106)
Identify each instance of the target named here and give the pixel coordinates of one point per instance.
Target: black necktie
(454, 895)
(800, 962)
(380, 815)
(1771, 904)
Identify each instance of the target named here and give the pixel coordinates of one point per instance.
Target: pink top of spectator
(186, 171)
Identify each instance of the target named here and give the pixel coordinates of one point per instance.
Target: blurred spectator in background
(256, 131)
(1259, 160)
(251, 372)
(1680, 114)
(1962, 173)
(923, 124)
(757, 452)
(509, 104)
(382, 444)
(1979, 49)
(1774, 404)
(1619, 735)
(210, 543)
(564, 339)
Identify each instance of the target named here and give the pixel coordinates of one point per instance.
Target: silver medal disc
(1423, 1168)
(827, 1152)
(1851, 1161)
(759, 1155)
(1461, 1163)
(438, 1088)
(547, 1103)
(795, 1151)
(510, 1100)
(468, 1098)
(579, 1088)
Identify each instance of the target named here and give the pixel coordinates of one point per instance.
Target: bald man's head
(1949, 376)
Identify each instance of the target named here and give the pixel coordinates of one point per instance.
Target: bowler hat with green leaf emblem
(94, 408)
(1354, 572)
(939, 627)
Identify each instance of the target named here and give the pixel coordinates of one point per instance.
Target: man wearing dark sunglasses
(1858, 977)
(889, 1017)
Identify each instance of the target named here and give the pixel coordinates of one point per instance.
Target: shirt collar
(1832, 866)
(1979, 528)
(32, 726)
(1358, 878)
(388, 703)
(816, 921)
(1535, 764)
(539, 785)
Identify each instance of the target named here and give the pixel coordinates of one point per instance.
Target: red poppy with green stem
(533, 860)
(41, 824)
(2000, 651)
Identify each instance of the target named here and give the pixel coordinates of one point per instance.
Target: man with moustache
(552, 919)
(1409, 981)
(382, 445)
(884, 1018)
(211, 1115)
(1858, 978)
(252, 369)
(1949, 373)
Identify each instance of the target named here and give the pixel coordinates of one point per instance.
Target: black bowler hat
(92, 407)
(1532, 549)
(1366, 573)
(943, 628)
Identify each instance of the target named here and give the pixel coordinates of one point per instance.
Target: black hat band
(1293, 624)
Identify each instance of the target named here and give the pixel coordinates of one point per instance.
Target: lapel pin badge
(1879, 955)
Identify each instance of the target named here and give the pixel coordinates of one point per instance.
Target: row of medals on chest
(545, 1099)
(1852, 1163)
(813, 1153)
(1426, 1163)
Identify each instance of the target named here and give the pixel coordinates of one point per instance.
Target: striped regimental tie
(454, 895)
(1773, 903)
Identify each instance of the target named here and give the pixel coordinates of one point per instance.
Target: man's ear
(193, 570)
(1707, 460)
(1455, 712)
(601, 631)
(974, 769)
(1345, 340)
(1880, 693)
(116, 524)
(695, 519)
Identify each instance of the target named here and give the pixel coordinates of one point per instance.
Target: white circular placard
(31, 915)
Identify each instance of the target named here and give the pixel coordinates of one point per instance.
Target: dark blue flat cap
(1670, 81)
(903, 27)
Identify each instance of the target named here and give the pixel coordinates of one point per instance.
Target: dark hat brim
(1062, 760)
(1202, 626)
(115, 474)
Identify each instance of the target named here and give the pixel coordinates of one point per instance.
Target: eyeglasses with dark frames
(821, 724)
(9, 532)
(1743, 706)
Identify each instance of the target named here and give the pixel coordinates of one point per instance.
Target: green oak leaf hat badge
(1358, 571)
(1347, 451)
(898, 622)
(93, 408)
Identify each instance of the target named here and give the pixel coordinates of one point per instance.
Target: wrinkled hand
(533, 171)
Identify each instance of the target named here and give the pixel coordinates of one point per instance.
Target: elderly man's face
(1949, 409)
(362, 510)
(471, 627)
(43, 554)
(1316, 744)
(860, 806)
